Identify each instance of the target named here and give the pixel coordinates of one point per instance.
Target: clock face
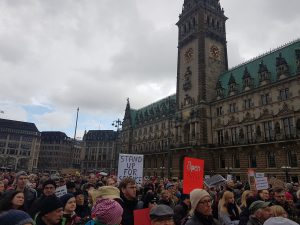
(188, 55)
(215, 52)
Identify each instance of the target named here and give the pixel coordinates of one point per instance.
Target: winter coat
(253, 221)
(128, 207)
(180, 211)
(224, 219)
(199, 220)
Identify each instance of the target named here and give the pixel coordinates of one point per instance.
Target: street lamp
(117, 123)
(286, 169)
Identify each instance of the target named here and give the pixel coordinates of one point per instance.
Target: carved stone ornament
(187, 84)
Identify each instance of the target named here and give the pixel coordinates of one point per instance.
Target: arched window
(271, 159)
(236, 160)
(221, 161)
(252, 160)
(292, 158)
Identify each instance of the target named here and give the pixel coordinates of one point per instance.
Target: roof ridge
(153, 103)
(264, 54)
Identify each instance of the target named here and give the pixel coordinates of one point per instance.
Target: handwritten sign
(60, 191)
(131, 166)
(193, 172)
(261, 183)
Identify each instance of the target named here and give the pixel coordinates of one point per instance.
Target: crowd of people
(95, 199)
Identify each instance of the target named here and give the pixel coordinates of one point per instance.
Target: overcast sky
(57, 55)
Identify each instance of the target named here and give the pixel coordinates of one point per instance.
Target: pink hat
(107, 211)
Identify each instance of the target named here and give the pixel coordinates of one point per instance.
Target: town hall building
(239, 118)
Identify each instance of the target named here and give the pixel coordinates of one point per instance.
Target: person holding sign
(201, 210)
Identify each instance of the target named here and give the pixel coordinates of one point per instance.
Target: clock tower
(202, 57)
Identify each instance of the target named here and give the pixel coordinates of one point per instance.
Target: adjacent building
(99, 151)
(235, 119)
(56, 151)
(19, 145)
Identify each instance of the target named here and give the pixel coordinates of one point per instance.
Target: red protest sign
(142, 217)
(193, 172)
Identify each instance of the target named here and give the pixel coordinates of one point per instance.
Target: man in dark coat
(182, 209)
(129, 200)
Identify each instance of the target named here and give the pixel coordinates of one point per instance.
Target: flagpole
(76, 124)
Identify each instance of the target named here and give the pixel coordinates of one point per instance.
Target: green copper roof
(269, 60)
(159, 109)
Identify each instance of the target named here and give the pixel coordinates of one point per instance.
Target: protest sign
(229, 177)
(131, 166)
(215, 180)
(193, 172)
(142, 216)
(261, 183)
(60, 191)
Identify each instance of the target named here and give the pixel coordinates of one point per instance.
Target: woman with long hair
(229, 212)
(246, 194)
(12, 200)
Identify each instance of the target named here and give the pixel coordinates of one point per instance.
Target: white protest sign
(261, 183)
(60, 191)
(259, 175)
(229, 177)
(131, 166)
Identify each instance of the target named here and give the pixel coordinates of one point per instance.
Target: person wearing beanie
(48, 188)
(30, 194)
(201, 210)
(51, 211)
(279, 221)
(106, 212)
(15, 217)
(82, 209)
(69, 204)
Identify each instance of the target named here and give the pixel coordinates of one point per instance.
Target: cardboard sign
(60, 191)
(131, 166)
(262, 183)
(193, 172)
(142, 216)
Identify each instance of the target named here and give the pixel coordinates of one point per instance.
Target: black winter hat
(65, 198)
(49, 182)
(49, 204)
(15, 217)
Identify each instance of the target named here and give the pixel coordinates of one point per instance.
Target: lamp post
(117, 124)
(286, 170)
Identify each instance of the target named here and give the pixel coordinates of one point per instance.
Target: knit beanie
(196, 195)
(49, 182)
(15, 217)
(49, 204)
(65, 198)
(107, 211)
(279, 221)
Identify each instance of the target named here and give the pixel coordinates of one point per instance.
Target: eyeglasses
(205, 202)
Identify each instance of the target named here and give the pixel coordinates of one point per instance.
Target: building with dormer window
(244, 117)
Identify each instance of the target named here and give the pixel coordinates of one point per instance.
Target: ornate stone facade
(245, 117)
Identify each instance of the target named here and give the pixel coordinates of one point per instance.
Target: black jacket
(128, 207)
(180, 211)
